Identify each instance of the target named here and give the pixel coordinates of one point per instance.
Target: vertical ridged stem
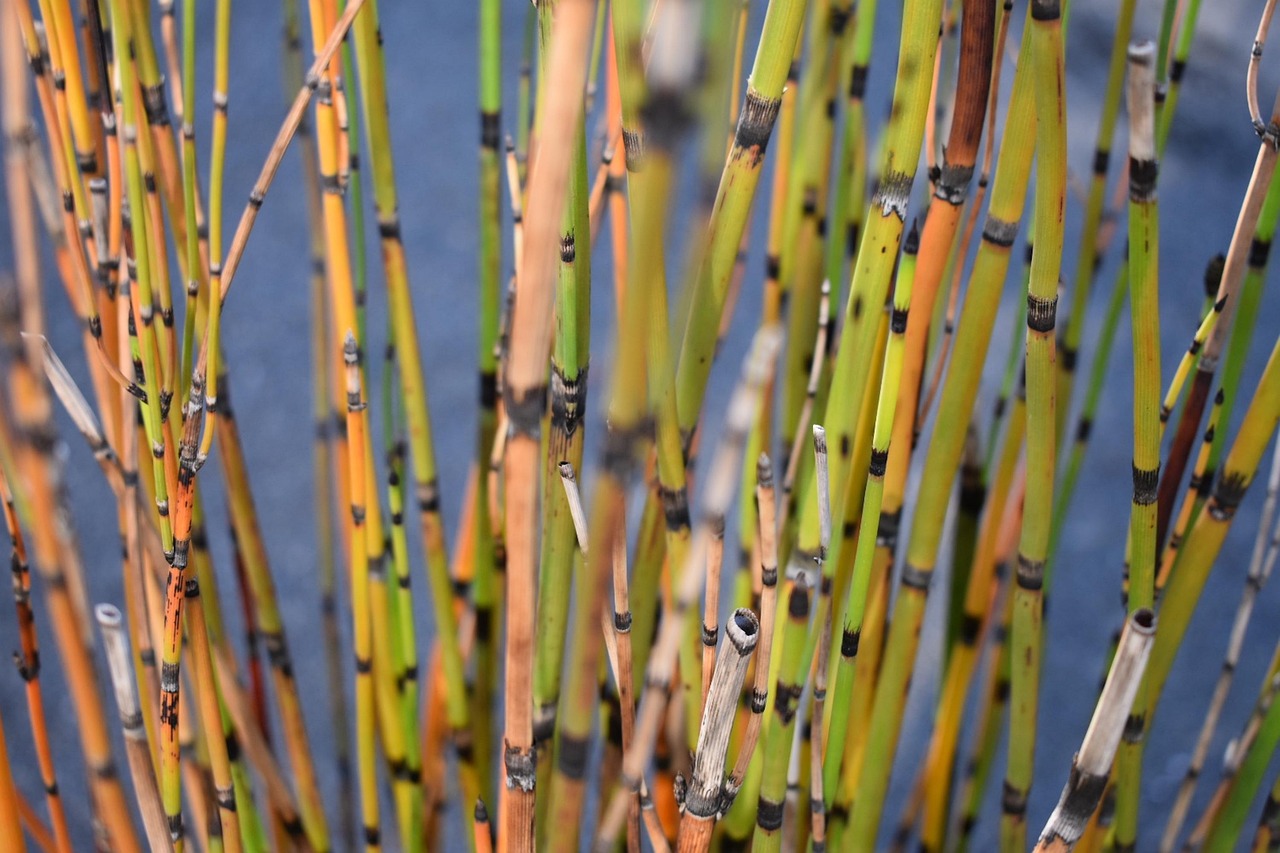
(955, 404)
(870, 798)
(1088, 257)
(525, 400)
(140, 766)
(362, 630)
(1028, 597)
(28, 663)
(1147, 430)
(702, 799)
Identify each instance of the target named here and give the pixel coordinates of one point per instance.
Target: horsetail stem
(28, 663)
(756, 119)
(524, 396)
(1089, 257)
(872, 503)
(1090, 767)
(1144, 301)
(1259, 571)
(144, 780)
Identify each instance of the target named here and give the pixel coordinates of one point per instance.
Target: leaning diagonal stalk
(872, 502)
(873, 269)
(973, 337)
(1203, 543)
(733, 205)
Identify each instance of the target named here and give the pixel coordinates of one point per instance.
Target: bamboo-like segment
(1203, 543)
(780, 727)
(567, 398)
(362, 639)
(1247, 311)
(873, 269)
(1260, 568)
(742, 169)
(1092, 764)
(703, 796)
(116, 643)
(1233, 274)
(1145, 310)
(485, 549)
(717, 496)
(211, 719)
(525, 400)
(1042, 297)
(958, 394)
(1089, 256)
(872, 503)
(948, 203)
(767, 537)
(408, 351)
(28, 661)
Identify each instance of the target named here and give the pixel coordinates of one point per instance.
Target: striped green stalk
(772, 308)
(1261, 564)
(628, 406)
(217, 168)
(779, 732)
(1249, 299)
(1233, 273)
(1084, 423)
(570, 357)
(362, 629)
(988, 725)
(327, 424)
(484, 548)
(1102, 353)
(373, 102)
(1144, 302)
(140, 274)
(1200, 548)
(870, 802)
(1042, 296)
(1089, 256)
(1198, 489)
(629, 25)
(733, 204)
(524, 394)
(807, 205)
(873, 270)
(190, 250)
(973, 624)
(266, 618)
(868, 661)
(955, 404)
(847, 211)
(1177, 68)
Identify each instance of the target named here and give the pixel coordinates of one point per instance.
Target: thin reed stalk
(524, 398)
(1144, 301)
(1091, 765)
